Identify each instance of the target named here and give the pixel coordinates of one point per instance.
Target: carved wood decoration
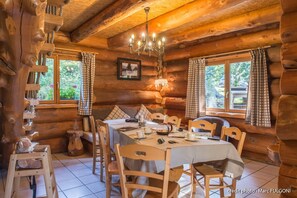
(286, 118)
(22, 36)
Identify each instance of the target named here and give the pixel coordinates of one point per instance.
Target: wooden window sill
(56, 106)
(226, 114)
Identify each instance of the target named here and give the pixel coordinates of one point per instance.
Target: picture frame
(128, 69)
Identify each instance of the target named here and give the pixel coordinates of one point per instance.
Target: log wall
(53, 122)
(286, 117)
(257, 138)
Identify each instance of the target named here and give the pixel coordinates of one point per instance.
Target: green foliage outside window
(215, 86)
(69, 80)
(46, 91)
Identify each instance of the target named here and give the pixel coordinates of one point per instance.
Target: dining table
(183, 151)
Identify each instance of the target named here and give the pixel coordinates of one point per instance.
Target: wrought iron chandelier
(150, 45)
(146, 43)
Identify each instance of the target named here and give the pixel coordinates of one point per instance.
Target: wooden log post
(287, 117)
(22, 25)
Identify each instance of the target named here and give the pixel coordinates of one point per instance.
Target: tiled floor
(75, 179)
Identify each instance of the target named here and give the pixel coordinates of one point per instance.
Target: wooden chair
(159, 185)
(111, 167)
(173, 120)
(202, 125)
(97, 149)
(157, 117)
(207, 172)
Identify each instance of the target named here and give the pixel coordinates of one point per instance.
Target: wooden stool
(75, 146)
(42, 153)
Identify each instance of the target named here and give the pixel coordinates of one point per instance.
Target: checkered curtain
(87, 83)
(195, 102)
(258, 107)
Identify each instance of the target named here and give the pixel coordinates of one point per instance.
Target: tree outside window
(226, 85)
(61, 84)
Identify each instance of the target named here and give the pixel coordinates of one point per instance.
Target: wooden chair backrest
(103, 131)
(157, 116)
(202, 124)
(236, 134)
(145, 153)
(173, 120)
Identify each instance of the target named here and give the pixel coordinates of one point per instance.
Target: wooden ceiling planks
(189, 16)
(245, 21)
(114, 13)
(78, 12)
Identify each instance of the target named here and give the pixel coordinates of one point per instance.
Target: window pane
(69, 79)
(46, 91)
(215, 86)
(240, 73)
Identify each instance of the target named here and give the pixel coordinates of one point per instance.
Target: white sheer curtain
(195, 102)
(87, 83)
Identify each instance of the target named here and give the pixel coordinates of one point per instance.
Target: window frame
(227, 61)
(56, 84)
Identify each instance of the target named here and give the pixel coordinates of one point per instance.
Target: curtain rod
(234, 52)
(74, 50)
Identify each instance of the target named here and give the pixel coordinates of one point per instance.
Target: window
(61, 84)
(226, 85)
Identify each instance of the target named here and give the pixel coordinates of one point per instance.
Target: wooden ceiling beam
(258, 39)
(242, 22)
(95, 42)
(114, 13)
(199, 10)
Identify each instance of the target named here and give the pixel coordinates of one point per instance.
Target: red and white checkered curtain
(195, 102)
(87, 83)
(258, 107)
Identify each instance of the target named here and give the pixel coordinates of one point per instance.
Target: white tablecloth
(183, 152)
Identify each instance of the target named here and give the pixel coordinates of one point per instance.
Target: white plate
(191, 140)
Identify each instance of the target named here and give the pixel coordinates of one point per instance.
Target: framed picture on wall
(129, 69)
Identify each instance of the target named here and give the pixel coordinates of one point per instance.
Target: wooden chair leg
(16, 186)
(193, 181)
(10, 176)
(206, 185)
(233, 189)
(108, 185)
(94, 162)
(101, 164)
(222, 194)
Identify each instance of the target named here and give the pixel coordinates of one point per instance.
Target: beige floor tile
(74, 167)
(68, 184)
(63, 176)
(114, 194)
(89, 196)
(82, 172)
(61, 195)
(273, 170)
(96, 187)
(254, 166)
(40, 191)
(263, 175)
(77, 192)
(251, 182)
(90, 179)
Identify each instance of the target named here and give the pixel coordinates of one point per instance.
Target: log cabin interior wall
(286, 117)
(222, 27)
(54, 121)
